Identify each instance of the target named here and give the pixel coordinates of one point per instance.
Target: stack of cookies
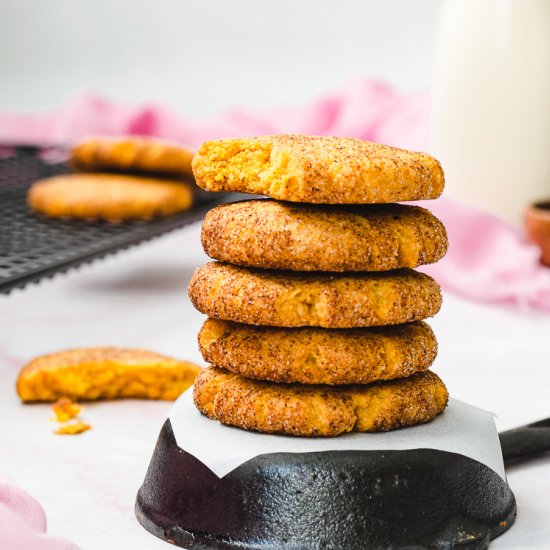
(315, 311)
(116, 179)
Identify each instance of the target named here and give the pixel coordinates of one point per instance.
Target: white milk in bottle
(491, 102)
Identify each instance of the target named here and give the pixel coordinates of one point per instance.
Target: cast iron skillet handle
(525, 441)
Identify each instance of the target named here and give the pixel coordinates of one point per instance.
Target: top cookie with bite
(318, 170)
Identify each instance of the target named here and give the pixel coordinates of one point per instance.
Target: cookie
(320, 170)
(108, 196)
(132, 154)
(293, 299)
(318, 355)
(104, 373)
(318, 410)
(278, 235)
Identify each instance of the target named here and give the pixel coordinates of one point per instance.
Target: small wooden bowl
(537, 227)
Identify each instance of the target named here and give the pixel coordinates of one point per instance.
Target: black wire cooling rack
(33, 246)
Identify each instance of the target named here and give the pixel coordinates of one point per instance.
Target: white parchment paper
(461, 429)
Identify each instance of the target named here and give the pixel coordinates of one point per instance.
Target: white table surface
(492, 357)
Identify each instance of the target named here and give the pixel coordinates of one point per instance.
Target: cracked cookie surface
(275, 235)
(318, 355)
(310, 411)
(319, 170)
(293, 299)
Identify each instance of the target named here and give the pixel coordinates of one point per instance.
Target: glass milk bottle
(491, 102)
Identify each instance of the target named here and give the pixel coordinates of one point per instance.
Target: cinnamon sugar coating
(318, 410)
(319, 170)
(275, 235)
(109, 196)
(317, 355)
(132, 154)
(104, 373)
(292, 299)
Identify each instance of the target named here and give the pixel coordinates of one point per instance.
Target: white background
(204, 56)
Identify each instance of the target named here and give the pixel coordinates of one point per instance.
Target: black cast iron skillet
(526, 441)
(413, 499)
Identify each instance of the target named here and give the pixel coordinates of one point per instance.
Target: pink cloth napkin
(364, 108)
(488, 259)
(23, 523)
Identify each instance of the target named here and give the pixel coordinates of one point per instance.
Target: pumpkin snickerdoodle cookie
(132, 154)
(280, 235)
(104, 373)
(292, 299)
(317, 355)
(320, 170)
(317, 410)
(109, 196)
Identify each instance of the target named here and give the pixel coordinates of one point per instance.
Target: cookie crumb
(73, 428)
(65, 409)
(66, 413)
